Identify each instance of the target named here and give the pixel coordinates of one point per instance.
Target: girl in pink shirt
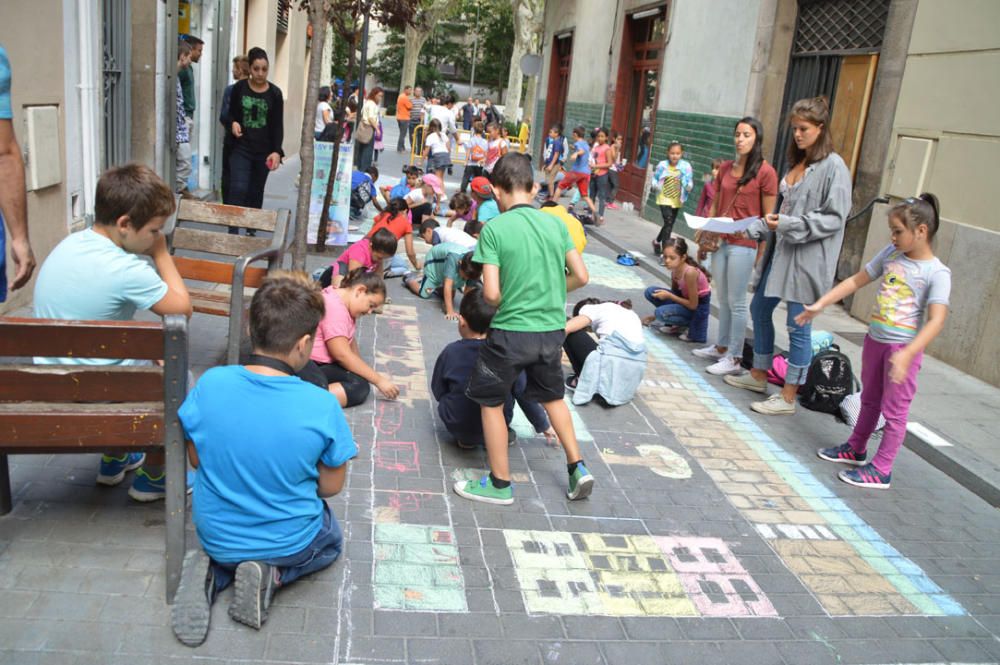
(601, 160)
(335, 349)
(687, 303)
(367, 253)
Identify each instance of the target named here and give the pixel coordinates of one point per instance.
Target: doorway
(558, 88)
(638, 85)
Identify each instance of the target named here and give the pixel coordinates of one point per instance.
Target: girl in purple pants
(910, 310)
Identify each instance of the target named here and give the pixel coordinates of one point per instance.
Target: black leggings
(578, 345)
(669, 216)
(471, 171)
(355, 387)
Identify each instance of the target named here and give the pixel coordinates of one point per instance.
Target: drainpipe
(607, 79)
(87, 28)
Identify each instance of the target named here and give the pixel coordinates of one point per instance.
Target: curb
(986, 489)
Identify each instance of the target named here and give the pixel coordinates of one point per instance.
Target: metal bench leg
(5, 501)
(175, 388)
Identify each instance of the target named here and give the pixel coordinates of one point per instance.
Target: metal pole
(366, 8)
(475, 48)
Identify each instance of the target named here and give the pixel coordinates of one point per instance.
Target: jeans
(404, 129)
(669, 215)
(183, 166)
(320, 553)
(881, 396)
(363, 155)
(799, 337)
(671, 313)
(247, 178)
(613, 177)
(732, 267)
(602, 185)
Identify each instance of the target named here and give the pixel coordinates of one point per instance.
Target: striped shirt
(417, 112)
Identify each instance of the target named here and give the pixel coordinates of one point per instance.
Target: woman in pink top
(688, 302)
(601, 161)
(335, 350)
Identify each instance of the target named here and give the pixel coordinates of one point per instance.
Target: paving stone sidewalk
(713, 536)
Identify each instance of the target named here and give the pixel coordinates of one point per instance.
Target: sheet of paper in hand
(718, 224)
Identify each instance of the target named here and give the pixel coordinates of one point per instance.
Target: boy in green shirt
(448, 267)
(529, 264)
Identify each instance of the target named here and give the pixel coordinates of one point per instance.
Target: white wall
(706, 68)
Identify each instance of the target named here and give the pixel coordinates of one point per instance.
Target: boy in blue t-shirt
(578, 170)
(268, 447)
(363, 191)
(102, 273)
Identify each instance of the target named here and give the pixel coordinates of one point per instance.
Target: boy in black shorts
(533, 256)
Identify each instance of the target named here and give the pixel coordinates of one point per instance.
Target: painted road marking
(927, 435)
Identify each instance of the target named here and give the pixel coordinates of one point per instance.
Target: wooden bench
(200, 228)
(46, 409)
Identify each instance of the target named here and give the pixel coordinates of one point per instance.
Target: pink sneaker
(612, 206)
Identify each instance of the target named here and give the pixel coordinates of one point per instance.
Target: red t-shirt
(748, 202)
(399, 225)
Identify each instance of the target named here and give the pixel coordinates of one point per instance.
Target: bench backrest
(52, 408)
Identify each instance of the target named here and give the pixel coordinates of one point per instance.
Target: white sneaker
(747, 382)
(726, 365)
(775, 405)
(708, 353)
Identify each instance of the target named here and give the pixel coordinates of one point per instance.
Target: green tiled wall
(704, 138)
(588, 115)
(537, 131)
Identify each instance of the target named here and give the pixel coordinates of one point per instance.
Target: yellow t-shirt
(670, 193)
(573, 225)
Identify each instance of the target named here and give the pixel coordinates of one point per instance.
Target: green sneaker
(484, 491)
(580, 483)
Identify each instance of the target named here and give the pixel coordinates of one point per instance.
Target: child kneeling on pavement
(268, 447)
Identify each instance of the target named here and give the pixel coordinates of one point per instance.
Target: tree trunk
(528, 15)
(415, 36)
(531, 96)
(317, 19)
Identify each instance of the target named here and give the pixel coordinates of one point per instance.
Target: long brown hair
(817, 111)
(681, 247)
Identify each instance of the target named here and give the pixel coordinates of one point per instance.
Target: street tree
(528, 19)
(416, 33)
(344, 16)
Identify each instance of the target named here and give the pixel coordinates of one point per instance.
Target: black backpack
(828, 381)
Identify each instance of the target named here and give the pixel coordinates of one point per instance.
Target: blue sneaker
(866, 476)
(843, 454)
(113, 469)
(580, 483)
(145, 488)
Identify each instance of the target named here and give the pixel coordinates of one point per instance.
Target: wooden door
(850, 110)
(558, 87)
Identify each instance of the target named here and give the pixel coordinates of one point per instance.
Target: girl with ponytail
(688, 301)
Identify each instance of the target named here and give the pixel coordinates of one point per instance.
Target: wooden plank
(142, 340)
(35, 427)
(80, 383)
(216, 272)
(210, 307)
(226, 215)
(850, 112)
(212, 242)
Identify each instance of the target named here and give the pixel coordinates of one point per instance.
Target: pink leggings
(880, 394)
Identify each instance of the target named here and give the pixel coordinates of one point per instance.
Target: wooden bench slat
(227, 215)
(81, 383)
(31, 427)
(212, 242)
(203, 270)
(51, 338)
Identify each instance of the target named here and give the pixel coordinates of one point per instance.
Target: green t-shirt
(441, 263)
(186, 77)
(531, 253)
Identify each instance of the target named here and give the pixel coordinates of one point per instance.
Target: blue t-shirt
(359, 179)
(400, 190)
(487, 210)
(554, 148)
(581, 164)
(5, 114)
(259, 440)
(89, 277)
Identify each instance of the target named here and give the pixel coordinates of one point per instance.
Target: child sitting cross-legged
(268, 448)
(447, 267)
(460, 415)
(335, 349)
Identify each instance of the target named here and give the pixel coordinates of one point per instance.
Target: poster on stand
(336, 230)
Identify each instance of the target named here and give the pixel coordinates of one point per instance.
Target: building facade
(911, 84)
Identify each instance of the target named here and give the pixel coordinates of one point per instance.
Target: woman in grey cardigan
(803, 244)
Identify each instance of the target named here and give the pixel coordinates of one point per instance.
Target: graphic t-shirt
(906, 289)
(670, 187)
(554, 148)
(259, 441)
(336, 322)
(581, 163)
(477, 147)
(494, 151)
(531, 253)
(260, 115)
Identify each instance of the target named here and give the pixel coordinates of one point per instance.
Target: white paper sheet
(718, 224)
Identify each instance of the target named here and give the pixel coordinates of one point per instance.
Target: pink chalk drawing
(389, 417)
(401, 456)
(404, 501)
(713, 577)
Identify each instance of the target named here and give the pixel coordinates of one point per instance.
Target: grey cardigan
(804, 249)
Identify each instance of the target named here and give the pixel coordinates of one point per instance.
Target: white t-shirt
(609, 317)
(456, 236)
(320, 124)
(437, 142)
(415, 197)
